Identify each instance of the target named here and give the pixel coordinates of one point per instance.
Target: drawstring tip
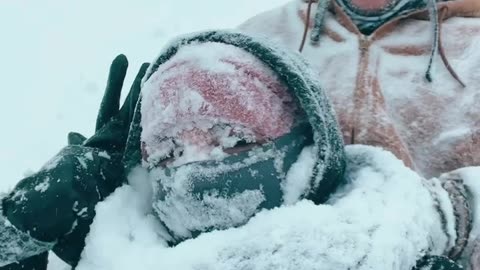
(428, 76)
(322, 10)
(315, 37)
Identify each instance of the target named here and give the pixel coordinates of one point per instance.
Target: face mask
(206, 195)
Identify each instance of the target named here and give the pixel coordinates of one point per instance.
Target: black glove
(57, 204)
(113, 124)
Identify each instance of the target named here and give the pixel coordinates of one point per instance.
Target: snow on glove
(56, 205)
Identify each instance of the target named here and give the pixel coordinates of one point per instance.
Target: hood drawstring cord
(433, 14)
(437, 46)
(320, 14)
(322, 10)
(307, 24)
(441, 50)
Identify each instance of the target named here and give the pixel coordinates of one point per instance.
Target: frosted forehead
(217, 82)
(211, 95)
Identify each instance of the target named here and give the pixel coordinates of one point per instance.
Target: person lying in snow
(374, 123)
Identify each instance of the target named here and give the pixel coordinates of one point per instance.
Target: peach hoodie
(377, 83)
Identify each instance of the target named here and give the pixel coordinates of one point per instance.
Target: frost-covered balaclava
(228, 126)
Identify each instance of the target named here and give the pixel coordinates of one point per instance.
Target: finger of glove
(75, 138)
(111, 99)
(128, 107)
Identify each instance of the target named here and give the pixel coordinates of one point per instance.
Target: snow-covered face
(213, 124)
(210, 100)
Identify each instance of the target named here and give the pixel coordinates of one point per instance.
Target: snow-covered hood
(259, 175)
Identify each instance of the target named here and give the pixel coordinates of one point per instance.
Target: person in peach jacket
(396, 79)
(401, 74)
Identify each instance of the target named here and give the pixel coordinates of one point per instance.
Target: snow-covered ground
(351, 232)
(372, 222)
(55, 56)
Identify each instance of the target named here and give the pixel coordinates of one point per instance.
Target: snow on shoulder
(383, 218)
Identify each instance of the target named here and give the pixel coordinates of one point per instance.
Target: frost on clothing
(17, 245)
(186, 213)
(196, 107)
(371, 214)
(318, 117)
(242, 89)
(212, 96)
(378, 89)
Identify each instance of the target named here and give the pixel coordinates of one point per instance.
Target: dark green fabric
(238, 173)
(266, 171)
(293, 71)
(75, 138)
(437, 263)
(57, 204)
(111, 99)
(113, 124)
(39, 262)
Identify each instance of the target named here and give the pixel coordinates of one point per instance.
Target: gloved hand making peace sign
(53, 208)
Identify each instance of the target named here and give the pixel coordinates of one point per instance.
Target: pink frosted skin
(270, 116)
(371, 4)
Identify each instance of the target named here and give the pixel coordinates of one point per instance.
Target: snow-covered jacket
(377, 83)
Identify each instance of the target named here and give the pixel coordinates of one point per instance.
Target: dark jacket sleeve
(57, 204)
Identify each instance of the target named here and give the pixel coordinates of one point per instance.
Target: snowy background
(54, 59)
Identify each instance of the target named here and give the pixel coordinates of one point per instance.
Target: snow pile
(299, 176)
(384, 207)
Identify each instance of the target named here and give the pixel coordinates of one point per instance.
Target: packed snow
(371, 214)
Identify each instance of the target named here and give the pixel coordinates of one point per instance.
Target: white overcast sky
(54, 57)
